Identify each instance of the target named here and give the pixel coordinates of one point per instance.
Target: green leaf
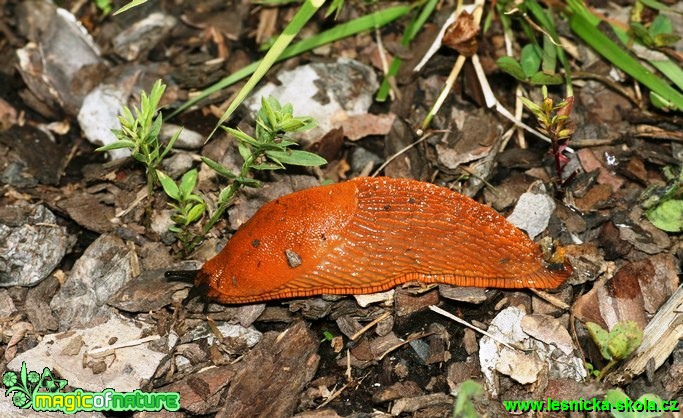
(335, 7)
(225, 195)
(169, 185)
(188, 182)
(242, 136)
(618, 397)
(463, 407)
(542, 79)
(512, 67)
(268, 113)
(219, 168)
(298, 124)
(121, 143)
(244, 151)
(667, 216)
(530, 59)
(601, 338)
(661, 25)
(268, 166)
(153, 134)
(549, 56)
(246, 181)
(296, 157)
(195, 213)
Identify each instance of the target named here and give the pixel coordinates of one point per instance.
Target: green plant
(553, 121)
(189, 207)
(663, 95)
(528, 68)
(139, 133)
(617, 344)
(270, 149)
(658, 33)
(618, 399)
(664, 205)
(104, 5)
(463, 407)
(327, 336)
(538, 61)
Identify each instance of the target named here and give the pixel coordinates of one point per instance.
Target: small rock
(7, 307)
(99, 114)
(143, 35)
(31, 244)
(177, 164)
(188, 139)
(128, 368)
(328, 92)
(524, 366)
(38, 308)
(103, 269)
(532, 213)
(361, 158)
(59, 82)
(367, 300)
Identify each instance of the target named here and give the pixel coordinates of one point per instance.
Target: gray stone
(31, 244)
(102, 270)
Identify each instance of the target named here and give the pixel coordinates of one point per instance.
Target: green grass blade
(671, 70)
(581, 24)
(130, 5)
(303, 15)
(341, 31)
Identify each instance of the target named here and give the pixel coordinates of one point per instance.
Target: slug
(368, 235)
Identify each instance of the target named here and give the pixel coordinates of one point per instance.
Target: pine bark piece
(274, 375)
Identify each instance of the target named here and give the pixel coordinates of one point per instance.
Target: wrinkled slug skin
(368, 235)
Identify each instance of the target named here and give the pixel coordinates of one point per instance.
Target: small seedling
(664, 205)
(327, 336)
(140, 134)
(656, 34)
(463, 407)
(619, 400)
(104, 5)
(528, 68)
(553, 120)
(270, 149)
(616, 344)
(189, 207)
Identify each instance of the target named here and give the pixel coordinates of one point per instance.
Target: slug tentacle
(368, 235)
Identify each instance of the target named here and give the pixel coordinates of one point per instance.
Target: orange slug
(368, 235)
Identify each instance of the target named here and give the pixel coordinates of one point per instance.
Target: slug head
(287, 237)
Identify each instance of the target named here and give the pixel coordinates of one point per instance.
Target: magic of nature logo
(43, 392)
